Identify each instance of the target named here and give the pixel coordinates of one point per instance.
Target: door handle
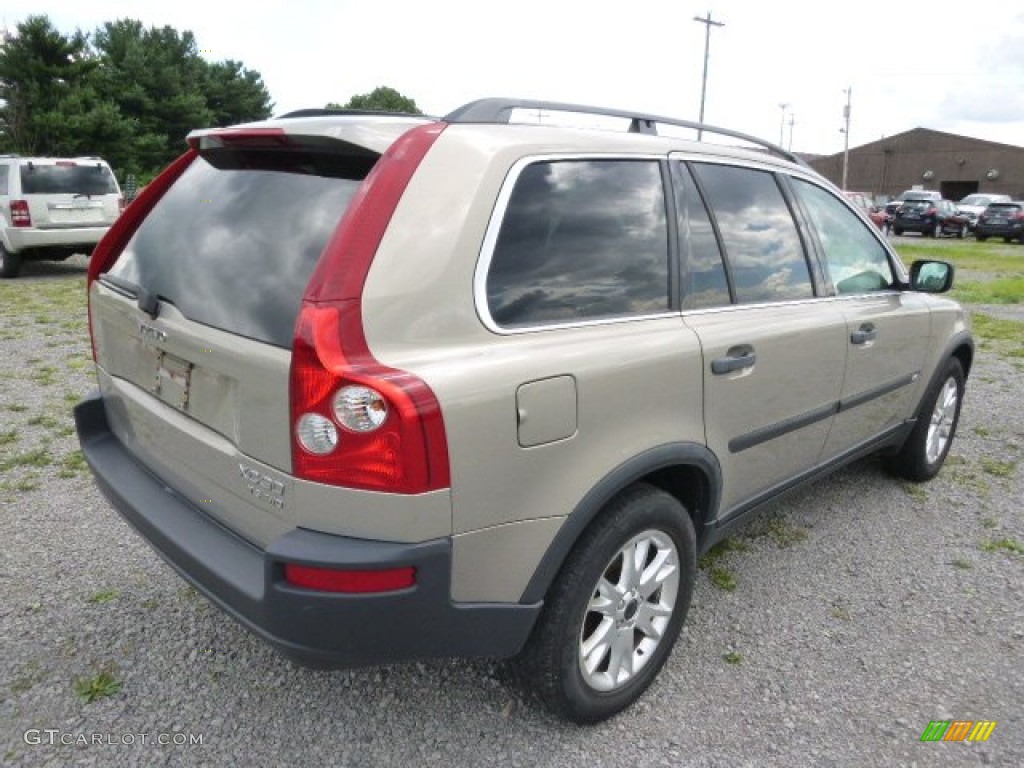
(864, 334)
(736, 359)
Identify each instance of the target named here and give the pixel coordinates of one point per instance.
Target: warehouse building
(922, 158)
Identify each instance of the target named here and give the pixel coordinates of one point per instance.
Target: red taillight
(109, 248)
(931, 212)
(335, 580)
(408, 451)
(20, 216)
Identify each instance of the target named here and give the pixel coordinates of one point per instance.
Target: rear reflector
(331, 580)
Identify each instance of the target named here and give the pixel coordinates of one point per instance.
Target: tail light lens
(388, 422)
(20, 216)
(931, 212)
(334, 580)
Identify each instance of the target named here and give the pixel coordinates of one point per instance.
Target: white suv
(52, 208)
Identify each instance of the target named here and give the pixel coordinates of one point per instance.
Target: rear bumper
(29, 238)
(1013, 229)
(314, 628)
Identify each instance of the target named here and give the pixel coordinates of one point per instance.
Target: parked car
(387, 387)
(910, 194)
(1005, 220)
(929, 217)
(51, 208)
(972, 206)
(863, 201)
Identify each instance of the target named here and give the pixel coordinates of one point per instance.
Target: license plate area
(172, 381)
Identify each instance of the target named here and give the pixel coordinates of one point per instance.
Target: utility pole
(792, 119)
(782, 124)
(708, 24)
(846, 133)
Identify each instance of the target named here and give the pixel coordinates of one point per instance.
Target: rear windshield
(917, 205)
(1003, 209)
(67, 178)
(234, 241)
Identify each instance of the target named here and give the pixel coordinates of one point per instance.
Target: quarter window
(761, 242)
(704, 282)
(581, 239)
(857, 262)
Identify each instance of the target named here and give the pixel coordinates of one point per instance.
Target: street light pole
(782, 124)
(846, 133)
(708, 23)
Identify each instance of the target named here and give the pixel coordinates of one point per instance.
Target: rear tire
(897, 231)
(10, 263)
(925, 450)
(613, 614)
(962, 232)
(980, 238)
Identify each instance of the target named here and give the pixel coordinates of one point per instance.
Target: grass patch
(1005, 337)
(103, 596)
(11, 436)
(916, 492)
(981, 432)
(96, 687)
(40, 457)
(998, 468)
(962, 563)
(73, 464)
(995, 258)
(1002, 290)
(838, 612)
(43, 420)
(732, 657)
(1003, 545)
(990, 523)
(784, 533)
(959, 472)
(712, 562)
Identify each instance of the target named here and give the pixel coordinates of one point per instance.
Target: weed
(11, 436)
(40, 457)
(784, 533)
(733, 657)
(96, 687)
(103, 596)
(837, 612)
(989, 522)
(981, 431)
(722, 578)
(43, 420)
(1006, 545)
(962, 563)
(916, 492)
(15, 407)
(998, 468)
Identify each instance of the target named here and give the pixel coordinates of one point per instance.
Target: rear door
(774, 352)
(887, 330)
(69, 193)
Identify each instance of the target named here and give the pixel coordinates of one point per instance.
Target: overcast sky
(946, 65)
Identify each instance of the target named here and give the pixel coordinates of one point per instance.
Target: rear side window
(67, 179)
(233, 245)
(581, 239)
(1002, 209)
(760, 237)
(704, 280)
(3, 179)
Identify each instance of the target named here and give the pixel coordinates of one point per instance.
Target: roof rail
(336, 112)
(499, 110)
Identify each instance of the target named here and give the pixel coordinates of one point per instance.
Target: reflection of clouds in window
(235, 249)
(581, 239)
(857, 262)
(705, 283)
(758, 232)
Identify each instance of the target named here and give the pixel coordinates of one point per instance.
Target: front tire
(10, 263)
(613, 614)
(921, 457)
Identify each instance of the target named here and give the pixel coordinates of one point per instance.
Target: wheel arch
(690, 472)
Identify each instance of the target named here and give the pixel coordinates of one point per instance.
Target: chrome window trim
(483, 264)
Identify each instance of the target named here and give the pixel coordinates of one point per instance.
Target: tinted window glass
(704, 281)
(3, 179)
(758, 232)
(87, 179)
(581, 239)
(857, 262)
(235, 248)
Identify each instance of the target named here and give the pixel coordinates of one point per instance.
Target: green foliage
(129, 95)
(382, 99)
(102, 684)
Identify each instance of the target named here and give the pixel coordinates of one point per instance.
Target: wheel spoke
(664, 565)
(632, 562)
(620, 662)
(606, 595)
(645, 619)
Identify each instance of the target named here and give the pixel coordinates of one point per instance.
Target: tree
(235, 94)
(382, 99)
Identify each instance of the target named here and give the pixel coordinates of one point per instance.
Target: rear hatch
(64, 194)
(194, 322)
(1001, 213)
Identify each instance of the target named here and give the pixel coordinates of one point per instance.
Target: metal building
(954, 165)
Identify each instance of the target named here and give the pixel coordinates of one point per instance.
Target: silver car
(386, 387)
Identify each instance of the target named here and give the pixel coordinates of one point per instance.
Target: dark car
(1005, 220)
(911, 194)
(929, 217)
(863, 201)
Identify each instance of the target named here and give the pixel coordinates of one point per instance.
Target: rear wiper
(147, 301)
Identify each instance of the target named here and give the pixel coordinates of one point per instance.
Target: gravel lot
(863, 608)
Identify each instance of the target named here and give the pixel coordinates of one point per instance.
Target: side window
(857, 262)
(581, 239)
(3, 179)
(760, 237)
(704, 280)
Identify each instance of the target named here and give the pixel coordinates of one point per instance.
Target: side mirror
(929, 276)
